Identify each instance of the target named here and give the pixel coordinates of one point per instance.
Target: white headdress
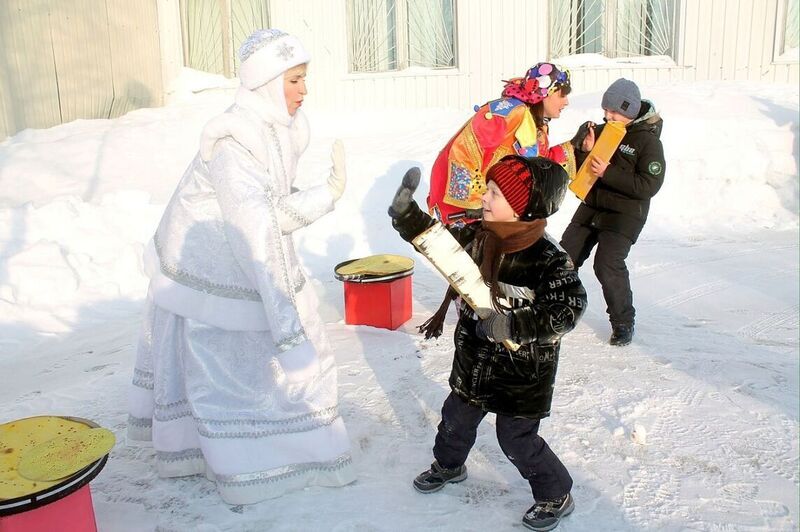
(266, 54)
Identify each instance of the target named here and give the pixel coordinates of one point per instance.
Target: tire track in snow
(788, 316)
(665, 267)
(711, 287)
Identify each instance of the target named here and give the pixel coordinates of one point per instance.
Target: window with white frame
(389, 35)
(213, 30)
(788, 31)
(613, 28)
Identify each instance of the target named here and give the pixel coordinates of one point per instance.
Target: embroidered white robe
(234, 375)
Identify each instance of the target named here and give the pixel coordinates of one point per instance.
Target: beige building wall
(496, 39)
(716, 40)
(61, 60)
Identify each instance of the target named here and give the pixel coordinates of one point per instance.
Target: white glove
(338, 177)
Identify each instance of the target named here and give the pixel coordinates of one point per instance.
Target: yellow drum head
(20, 436)
(375, 266)
(65, 454)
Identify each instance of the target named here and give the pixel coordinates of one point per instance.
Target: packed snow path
(712, 376)
(710, 384)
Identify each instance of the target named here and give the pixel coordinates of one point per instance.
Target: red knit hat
(513, 177)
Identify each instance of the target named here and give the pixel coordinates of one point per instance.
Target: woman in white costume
(234, 375)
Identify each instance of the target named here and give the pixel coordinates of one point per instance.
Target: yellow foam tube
(604, 148)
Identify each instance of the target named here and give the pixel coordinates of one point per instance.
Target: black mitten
(404, 196)
(583, 130)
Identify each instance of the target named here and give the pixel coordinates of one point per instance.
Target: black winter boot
(621, 334)
(545, 515)
(437, 476)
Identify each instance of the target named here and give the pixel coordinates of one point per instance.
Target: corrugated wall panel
(30, 87)
(755, 27)
(82, 59)
(743, 40)
(768, 42)
(497, 39)
(470, 20)
(83, 64)
(716, 35)
(6, 105)
(689, 36)
(485, 52)
(136, 55)
(170, 41)
(500, 39)
(730, 14)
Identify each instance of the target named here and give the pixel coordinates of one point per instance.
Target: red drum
(377, 290)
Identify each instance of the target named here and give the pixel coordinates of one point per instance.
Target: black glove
(404, 196)
(583, 130)
(496, 328)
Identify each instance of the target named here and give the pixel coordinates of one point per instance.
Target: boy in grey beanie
(623, 97)
(615, 210)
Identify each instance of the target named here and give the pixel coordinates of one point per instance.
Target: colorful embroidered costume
(500, 127)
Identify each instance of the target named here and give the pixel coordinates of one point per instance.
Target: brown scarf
(495, 239)
(492, 240)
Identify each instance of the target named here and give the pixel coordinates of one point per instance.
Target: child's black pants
(518, 439)
(609, 266)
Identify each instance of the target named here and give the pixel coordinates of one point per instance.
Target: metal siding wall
(30, 91)
(729, 37)
(744, 39)
(768, 42)
(170, 41)
(689, 37)
(321, 26)
(83, 65)
(494, 39)
(82, 59)
(135, 55)
(498, 39)
(711, 55)
(131, 61)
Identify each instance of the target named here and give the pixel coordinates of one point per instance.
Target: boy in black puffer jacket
(615, 210)
(537, 298)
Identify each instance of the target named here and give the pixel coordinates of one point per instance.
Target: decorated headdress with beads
(539, 82)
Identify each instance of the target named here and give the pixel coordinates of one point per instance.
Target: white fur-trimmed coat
(223, 251)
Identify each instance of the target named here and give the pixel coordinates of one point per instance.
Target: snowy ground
(712, 375)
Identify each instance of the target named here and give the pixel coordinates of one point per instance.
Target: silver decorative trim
(172, 411)
(258, 40)
(284, 472)
(282, 254)
(292, 341)
(140, 422)
(285, 51)
(289, 428)
(202, 285)
(293, 213)
(332, 410)
(179, 456)
(283, 344)
(299, 283)
(143, 379)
